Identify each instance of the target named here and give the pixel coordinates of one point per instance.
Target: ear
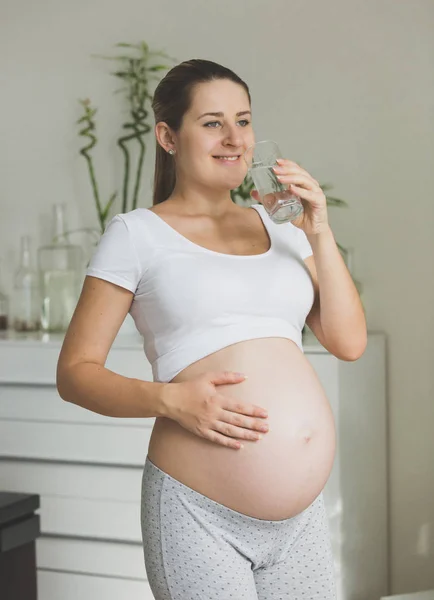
(164, 136)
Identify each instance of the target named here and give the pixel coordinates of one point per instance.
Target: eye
(218, 122)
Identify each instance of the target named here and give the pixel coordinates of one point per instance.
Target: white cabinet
(87, 470)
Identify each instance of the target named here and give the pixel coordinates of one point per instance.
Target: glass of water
(279, 202)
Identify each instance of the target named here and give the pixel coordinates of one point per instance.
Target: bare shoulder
(157, 209)
(169, 212)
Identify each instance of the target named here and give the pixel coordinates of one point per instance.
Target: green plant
(242, 192)
(87, 118)
(137, 72)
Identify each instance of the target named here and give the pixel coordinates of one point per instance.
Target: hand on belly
(280, 474)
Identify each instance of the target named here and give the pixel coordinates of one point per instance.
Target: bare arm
(81, 376)
(337, 316)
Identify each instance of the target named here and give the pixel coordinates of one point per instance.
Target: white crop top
(190, 301)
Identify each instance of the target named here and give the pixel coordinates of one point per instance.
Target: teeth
(227, 157)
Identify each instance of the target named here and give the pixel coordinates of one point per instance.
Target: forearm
(341, 310)
(100, 390)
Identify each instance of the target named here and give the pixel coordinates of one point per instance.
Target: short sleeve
(304, 247)
(115, 258)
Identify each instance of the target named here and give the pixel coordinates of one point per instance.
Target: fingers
(241, 408)
(224, 377)
(238, 424)
(254, 194)
(299, 179)
(223, 419)
(289, 167)
(237, 432)
(222, 440)
(236, 420)
(240, 421)
(304, 193)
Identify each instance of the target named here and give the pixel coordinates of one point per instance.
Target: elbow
(59, 385)
(351, 357)
(62, 382)
(345, 348)
(355, 352)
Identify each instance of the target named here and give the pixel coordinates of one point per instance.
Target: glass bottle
(61, 272)
(26, 297)
(4, 306)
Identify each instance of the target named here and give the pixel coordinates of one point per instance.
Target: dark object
(19, 527)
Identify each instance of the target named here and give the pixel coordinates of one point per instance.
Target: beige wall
(345, 87)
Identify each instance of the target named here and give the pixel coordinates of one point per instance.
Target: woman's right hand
(198, 407)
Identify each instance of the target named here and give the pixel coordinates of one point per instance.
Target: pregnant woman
(244, 439)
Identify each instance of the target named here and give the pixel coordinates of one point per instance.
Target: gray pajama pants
(197, 549)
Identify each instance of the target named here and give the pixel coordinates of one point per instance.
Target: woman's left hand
(314, 218)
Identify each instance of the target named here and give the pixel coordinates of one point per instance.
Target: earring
(171, 151)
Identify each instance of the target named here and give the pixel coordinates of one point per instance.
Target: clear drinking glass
(279, 202)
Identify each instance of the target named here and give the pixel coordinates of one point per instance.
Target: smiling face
(204, 137)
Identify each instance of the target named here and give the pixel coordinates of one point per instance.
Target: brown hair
(171, 100)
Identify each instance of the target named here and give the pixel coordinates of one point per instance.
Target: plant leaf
(108, 206)
(158, 68)
(336, 201)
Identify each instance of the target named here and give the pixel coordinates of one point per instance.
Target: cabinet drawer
(43, 403)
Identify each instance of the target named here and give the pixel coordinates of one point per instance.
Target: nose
(234, 136)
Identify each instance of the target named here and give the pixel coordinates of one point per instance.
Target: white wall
(346, 88)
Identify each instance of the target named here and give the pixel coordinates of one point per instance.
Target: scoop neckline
(209, 251)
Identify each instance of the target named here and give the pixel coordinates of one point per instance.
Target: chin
(235, 182)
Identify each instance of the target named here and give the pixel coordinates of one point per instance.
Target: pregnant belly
(278, 476)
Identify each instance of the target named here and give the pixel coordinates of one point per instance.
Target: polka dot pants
(197, 549)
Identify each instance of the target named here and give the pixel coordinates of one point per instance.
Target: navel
(307, 435)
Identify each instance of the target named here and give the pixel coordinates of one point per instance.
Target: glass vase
(4, 305)
(60, 267)
(26, 297)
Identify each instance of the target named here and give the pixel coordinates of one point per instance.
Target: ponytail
(164, 175)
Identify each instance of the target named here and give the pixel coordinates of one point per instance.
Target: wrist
(153, 398)
(325, 231)
(166, 400)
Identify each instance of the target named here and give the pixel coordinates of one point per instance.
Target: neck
(198, 200)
